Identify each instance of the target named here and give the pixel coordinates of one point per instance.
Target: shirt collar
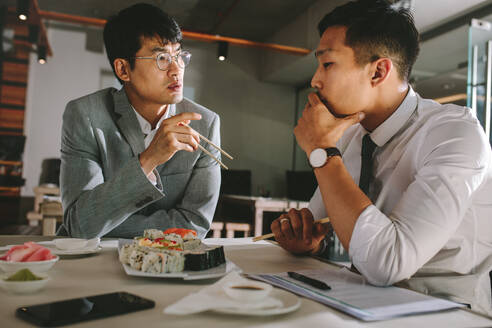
(145, 125)
(386, 130)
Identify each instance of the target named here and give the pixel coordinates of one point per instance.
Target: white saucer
(79, 251)
(290, 303)
(76, 243)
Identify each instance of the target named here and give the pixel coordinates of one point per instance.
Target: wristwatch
(320, 156)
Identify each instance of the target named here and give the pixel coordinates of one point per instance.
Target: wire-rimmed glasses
(164, 59)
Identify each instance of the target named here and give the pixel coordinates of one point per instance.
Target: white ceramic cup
(247, 290)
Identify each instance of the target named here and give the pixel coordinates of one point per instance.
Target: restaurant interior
(252, 63)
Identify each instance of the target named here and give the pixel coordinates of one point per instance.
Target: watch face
(317, 158)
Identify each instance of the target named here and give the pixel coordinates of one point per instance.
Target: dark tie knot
(368, 146)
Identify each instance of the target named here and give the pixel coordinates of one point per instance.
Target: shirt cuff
(152, 178)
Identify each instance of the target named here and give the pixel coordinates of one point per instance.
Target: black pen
(310, 281)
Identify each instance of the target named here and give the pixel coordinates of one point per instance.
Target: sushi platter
(174, 253)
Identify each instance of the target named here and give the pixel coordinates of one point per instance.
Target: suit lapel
(128, 123)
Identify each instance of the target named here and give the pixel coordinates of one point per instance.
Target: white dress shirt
(149, 133)
(430, 225)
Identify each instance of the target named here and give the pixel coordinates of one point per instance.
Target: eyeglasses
(164, 59)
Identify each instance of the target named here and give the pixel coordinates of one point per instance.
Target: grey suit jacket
(104, 189)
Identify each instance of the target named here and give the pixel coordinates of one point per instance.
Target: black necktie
(368, 147)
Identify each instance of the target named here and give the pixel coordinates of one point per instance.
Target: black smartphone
(82, 309)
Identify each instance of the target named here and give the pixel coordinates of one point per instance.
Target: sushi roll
(173, 250)
(175, 262)
(153, 234)
(191, 244)
(125, 253)
(136, 259)
(153, 262)
(173, 237)
(205, 259)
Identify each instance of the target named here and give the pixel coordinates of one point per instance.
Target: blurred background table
(260, 205)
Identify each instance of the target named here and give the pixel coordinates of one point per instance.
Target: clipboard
(351, 294)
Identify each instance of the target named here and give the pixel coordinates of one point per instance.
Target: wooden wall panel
(14, 71)
(13, 83)
(11, 119)
(21, 30)
(13, 95)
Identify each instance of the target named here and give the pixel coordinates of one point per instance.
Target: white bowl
(35, 267)
(247, 290)
(76, 243)
(23, 287)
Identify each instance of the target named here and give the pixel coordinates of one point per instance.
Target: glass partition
(479, 71)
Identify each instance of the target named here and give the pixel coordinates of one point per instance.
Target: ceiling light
(42, 54)
(22, 9)
(222, 53)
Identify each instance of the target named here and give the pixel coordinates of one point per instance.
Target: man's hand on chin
(297, 233)
(319, 128)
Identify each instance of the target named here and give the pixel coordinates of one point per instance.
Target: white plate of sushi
(215, 272)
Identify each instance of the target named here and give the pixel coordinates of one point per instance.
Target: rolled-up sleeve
(451, 164)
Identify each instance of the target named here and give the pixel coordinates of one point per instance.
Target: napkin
(214, 297)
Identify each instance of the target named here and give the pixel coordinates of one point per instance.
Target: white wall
(71, 73)
(257, 118)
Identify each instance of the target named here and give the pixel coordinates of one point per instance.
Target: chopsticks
(325, 220)
(210, 154)
(216, 147)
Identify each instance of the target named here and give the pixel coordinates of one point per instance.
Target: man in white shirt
(422, 214)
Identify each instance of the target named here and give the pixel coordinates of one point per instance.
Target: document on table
(351, 294)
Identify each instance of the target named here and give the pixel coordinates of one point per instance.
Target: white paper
(351, 294)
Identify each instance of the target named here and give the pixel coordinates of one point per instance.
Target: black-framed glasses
(164, 59)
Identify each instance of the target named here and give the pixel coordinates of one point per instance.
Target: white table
(102, 273)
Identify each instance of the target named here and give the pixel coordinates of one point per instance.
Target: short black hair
(123, 32)
(376, 29)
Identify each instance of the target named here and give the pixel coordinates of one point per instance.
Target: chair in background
(234, 182)
(47, 202)
(216, 229)
(300, 185)
(12, 147)
(231, 229)
(50, 172)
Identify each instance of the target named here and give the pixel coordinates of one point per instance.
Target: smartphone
(82, 309)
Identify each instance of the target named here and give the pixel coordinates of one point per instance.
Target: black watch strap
(333, 151)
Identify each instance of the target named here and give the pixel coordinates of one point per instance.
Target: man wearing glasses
(123, 169)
